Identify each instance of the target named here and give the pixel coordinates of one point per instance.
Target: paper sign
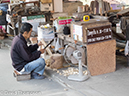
(78, 32)
(64, 22)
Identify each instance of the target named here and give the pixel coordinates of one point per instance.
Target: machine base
(77, 77)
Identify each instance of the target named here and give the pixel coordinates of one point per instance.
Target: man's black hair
(25, 27)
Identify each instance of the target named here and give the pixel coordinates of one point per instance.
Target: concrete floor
(111, 84)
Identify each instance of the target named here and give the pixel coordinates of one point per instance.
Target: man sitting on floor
(27, 57)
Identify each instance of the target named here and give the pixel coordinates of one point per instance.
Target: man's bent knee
(42, 61)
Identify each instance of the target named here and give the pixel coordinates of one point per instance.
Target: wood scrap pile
(71, 71)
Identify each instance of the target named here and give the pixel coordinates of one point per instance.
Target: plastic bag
(127, 48)
(57, 45)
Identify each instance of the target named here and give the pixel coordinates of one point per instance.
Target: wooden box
(101, 57)
(91, 31)
(101, 48)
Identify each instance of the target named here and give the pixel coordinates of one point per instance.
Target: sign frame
(98, 34)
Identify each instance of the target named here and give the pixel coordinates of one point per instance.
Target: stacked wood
(100, 7)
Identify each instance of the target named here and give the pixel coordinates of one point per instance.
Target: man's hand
(42, 51)
(40, 43)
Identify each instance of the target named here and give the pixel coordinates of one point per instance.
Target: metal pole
(80, 68)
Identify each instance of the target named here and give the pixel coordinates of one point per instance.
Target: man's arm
(26, 54)
(33, 48)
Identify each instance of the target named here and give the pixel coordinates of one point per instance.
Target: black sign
(99, 34)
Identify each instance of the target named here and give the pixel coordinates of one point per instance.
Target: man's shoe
(36, 76)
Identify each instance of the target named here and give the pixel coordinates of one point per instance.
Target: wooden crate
(80, 30)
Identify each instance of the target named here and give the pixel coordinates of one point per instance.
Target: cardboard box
(92, 31)
(46, 7)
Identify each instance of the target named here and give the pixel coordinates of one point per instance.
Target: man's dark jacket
(21, 54)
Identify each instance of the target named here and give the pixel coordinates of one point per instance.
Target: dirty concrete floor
(111, 84)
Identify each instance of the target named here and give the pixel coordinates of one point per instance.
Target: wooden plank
(47, 49)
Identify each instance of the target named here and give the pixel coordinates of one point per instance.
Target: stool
(20, 76)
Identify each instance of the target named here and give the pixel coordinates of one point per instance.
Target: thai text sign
(99, 34)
